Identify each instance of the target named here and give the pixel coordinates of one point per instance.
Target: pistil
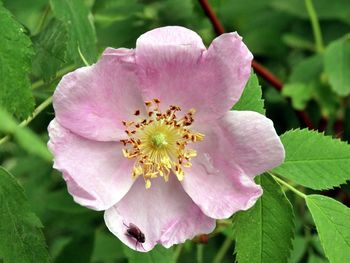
(159, 140)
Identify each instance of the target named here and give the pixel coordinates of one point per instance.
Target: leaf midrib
(316, 160)
(329, 219)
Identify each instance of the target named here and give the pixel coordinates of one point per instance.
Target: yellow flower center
(159, 143)
(158, 140)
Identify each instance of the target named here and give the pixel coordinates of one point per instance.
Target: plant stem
(4, 139)
(200, 248)
(224, 222)
(60, 73)
(223, 250)
(42, 20)
(280, 181)
(43, 105)
(177, 252)
(36, 112)
(315, 25)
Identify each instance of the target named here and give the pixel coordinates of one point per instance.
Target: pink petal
(175, 67)
(239, 146)
(254, 138)
(93, 101)
(164, 213)
(97, 173)
(220, 192)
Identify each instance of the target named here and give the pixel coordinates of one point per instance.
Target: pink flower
(147, 135)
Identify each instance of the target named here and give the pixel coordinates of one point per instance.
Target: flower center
(159, 143)
(159, 140)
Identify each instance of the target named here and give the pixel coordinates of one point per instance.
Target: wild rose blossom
(147, 135)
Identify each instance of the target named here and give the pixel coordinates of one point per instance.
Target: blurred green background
(279, 34)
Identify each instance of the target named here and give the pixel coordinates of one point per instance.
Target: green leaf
(78, 250)
(28, 13)
(300, 93)
(107, 248)
(316, 259)
(316, 244)
(34, 175)
(24, 136)
(251, 96)
(80, 28)
(314, 160)
(298, 42)
(156, 255)
(327, 99)
(15, 61)
(337, 65)
(299, 247)
(51, 49)
(58, 244)
(121, 22)
(62, 202)
(307, 70)
(21, 238)
(339, 9)
(307, 75)
(264, 233)
(333, 226)
(262, 40)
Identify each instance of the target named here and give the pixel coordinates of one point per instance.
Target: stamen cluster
(159, 142)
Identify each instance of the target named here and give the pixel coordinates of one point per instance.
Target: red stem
(259, 69)
(267, 75)
(218, 27)
(322, 125)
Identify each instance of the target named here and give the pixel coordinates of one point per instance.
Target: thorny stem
(267, 75)
(280, 181)
(208, 10)
(223, 250)
(260, 69)
(36, 112)
(315, 25)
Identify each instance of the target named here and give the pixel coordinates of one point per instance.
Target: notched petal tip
(231, 44)
(170, 36)
(121, 54)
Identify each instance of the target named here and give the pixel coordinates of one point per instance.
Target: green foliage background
(303, 215)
